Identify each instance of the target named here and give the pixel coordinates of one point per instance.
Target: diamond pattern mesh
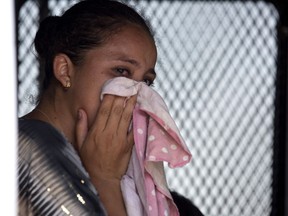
(28, 65)
(216, 72)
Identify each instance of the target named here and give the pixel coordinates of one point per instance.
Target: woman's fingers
(116, 113)
(126, 116)
(106, 148)
(121, 115)
(103, 113)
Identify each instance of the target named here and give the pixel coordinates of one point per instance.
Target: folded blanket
(157, 140)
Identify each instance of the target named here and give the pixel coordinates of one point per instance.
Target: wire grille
(216, 72)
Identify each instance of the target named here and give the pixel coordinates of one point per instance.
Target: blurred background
(222, 70)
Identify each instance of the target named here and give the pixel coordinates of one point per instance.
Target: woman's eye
(122, 71)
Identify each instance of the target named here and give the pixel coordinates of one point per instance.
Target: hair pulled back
(84, 26)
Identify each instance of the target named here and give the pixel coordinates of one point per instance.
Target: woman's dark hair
(84, 26)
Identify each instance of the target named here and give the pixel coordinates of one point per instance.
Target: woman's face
(131, 53)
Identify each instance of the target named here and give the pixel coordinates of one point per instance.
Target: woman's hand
(105, 149)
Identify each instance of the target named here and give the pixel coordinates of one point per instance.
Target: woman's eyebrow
(129, 60)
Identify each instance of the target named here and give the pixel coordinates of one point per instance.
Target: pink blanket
(157, 139)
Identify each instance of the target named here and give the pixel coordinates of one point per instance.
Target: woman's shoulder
(38, 139)
(37, 135)
(37, 129)
(49, 168)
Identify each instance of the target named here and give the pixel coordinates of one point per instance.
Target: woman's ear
(62, 66)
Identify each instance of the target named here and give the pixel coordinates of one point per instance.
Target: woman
(91, 42)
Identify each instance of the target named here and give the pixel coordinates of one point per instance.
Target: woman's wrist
(110, 194)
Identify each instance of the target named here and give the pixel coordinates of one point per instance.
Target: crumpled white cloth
(157, 139)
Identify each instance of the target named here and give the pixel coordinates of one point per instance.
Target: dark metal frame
(280, 160)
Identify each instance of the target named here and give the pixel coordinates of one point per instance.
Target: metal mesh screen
(27, 63)
(216, 72)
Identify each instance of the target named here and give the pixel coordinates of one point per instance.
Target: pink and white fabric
(157, 140)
